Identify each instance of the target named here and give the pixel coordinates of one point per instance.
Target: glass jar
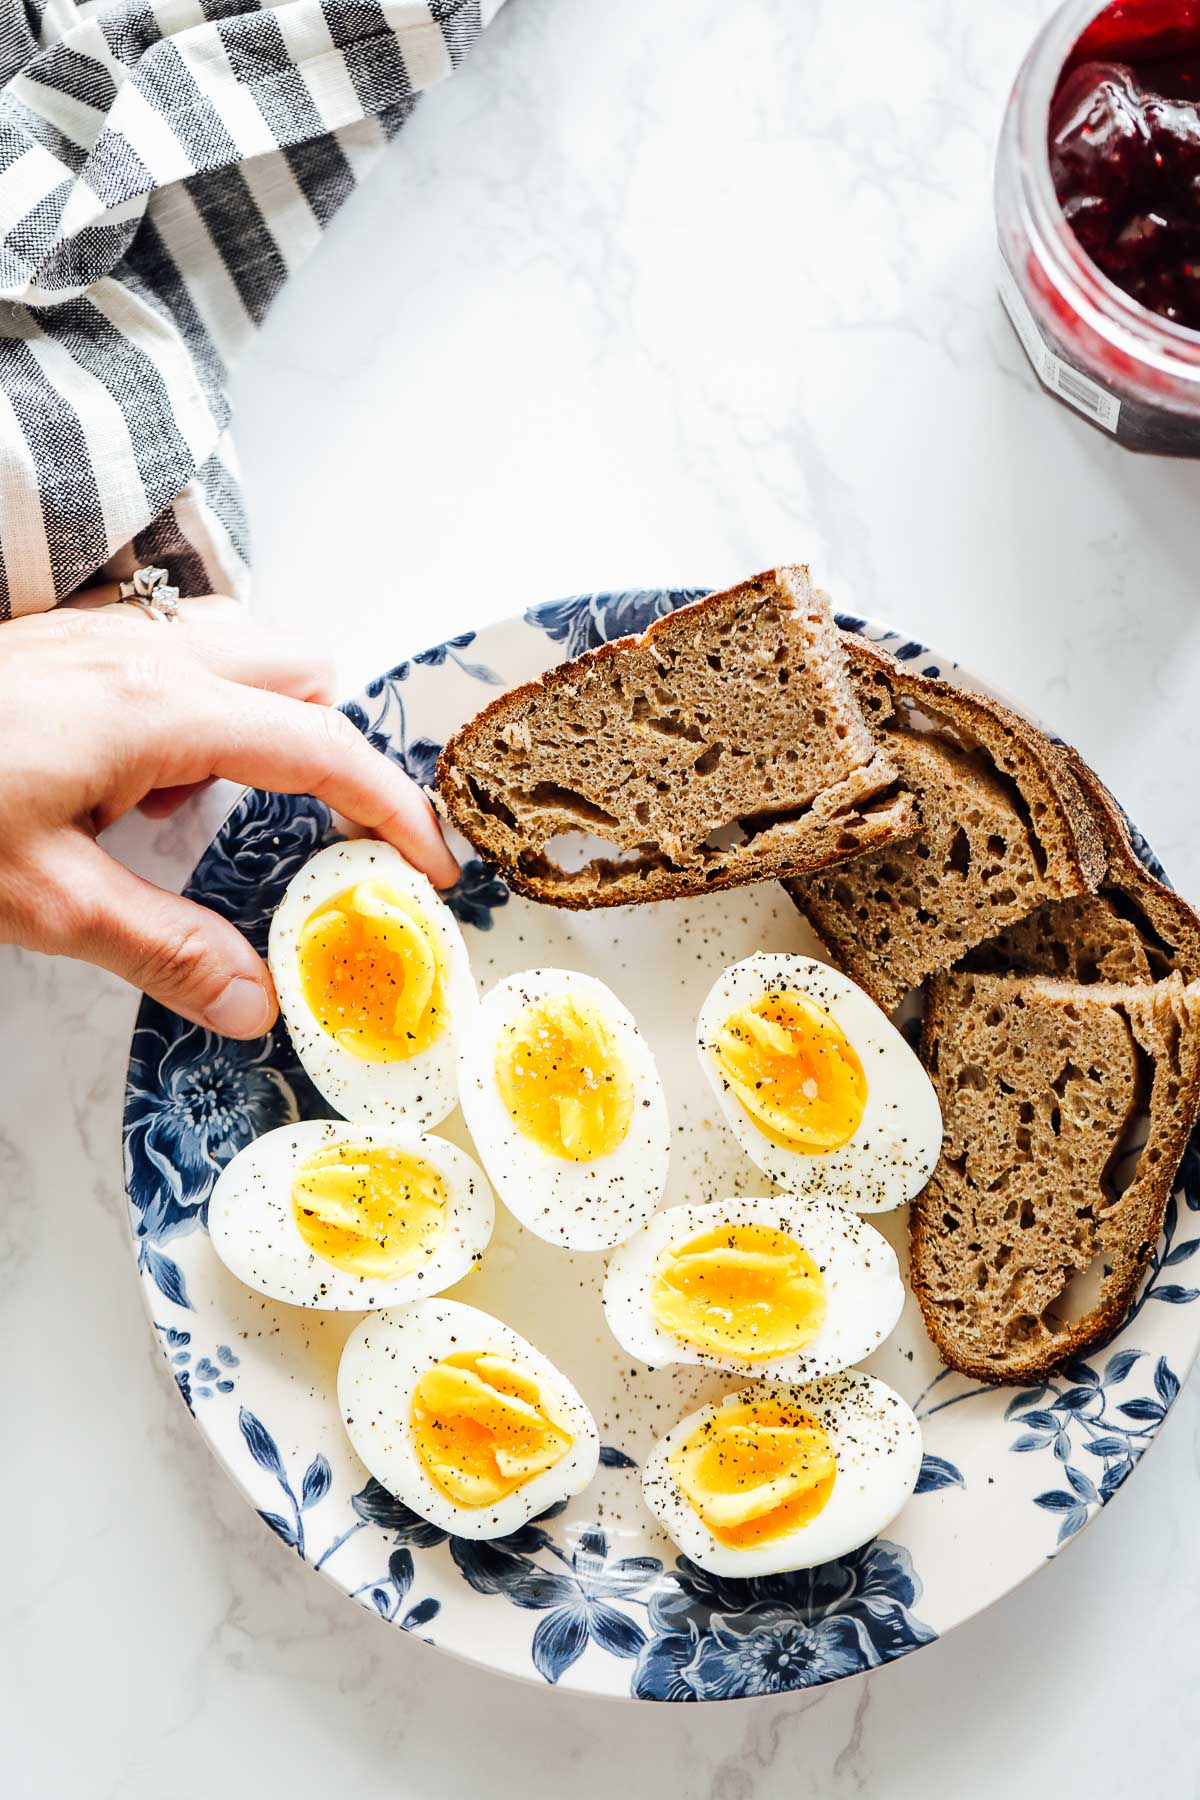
(1125, 369)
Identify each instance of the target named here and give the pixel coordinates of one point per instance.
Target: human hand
(104, 709)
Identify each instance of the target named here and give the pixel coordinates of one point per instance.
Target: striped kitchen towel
(164, 166)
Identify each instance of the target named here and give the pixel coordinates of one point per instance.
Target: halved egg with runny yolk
(755, 1471)
(462, 1419)
(483, 1426)
(774, 1477)
(372, 972)
(740, 1290)
(794, 1070)
(563, 1079)
(816, 1083)
(761, 1284)
(564, 1103)
(345, 1217)
(370, 1208)
(374, 984)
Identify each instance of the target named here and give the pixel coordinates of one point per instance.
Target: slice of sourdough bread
(1004, 827)
(1039, 1082)
(1132, 929)
(723, 746)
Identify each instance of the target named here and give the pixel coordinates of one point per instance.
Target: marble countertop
(648, 294)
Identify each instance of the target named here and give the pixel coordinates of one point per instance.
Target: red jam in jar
(1098, 207)
(1125, 153)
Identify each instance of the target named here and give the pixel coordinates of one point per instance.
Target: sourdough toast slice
(1004, 827)
(1131, 929)
(723, 746)
(1039, 1081)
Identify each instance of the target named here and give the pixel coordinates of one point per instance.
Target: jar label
(1077, 389)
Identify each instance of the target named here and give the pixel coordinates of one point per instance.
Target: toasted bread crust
(1164, 1021)
(1132, 929)
(579, 748)
(877, 919)
(873, 829)
(1001, 732)
(1175, 923)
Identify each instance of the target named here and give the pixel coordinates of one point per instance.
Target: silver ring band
(150, 589)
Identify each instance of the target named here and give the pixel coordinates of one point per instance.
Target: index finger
(291, 747)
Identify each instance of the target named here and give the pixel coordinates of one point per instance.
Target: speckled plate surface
(596, 1598)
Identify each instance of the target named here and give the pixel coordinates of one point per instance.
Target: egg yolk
(756, 1472)
(482, 1427)
(373, 974)
(795, 1071)
(563, 1081)
(369, 1209)
(741, 1290)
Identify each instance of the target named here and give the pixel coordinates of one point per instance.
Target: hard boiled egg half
(563, 1100)
(462, 1419)
(772, 1478)
(374, 983)
(816, 1083)
(342, 1217)
(773, 1286)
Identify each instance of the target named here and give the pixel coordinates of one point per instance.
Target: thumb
(189, 958)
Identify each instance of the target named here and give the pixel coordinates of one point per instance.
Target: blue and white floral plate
(596, 1598)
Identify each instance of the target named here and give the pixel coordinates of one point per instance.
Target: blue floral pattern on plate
(576, 1610)
(719, 1639)
(189, 1369)
(192, 1102)
(387, 1593)
(587, 620)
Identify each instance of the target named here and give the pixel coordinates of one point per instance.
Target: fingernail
(241, 1010)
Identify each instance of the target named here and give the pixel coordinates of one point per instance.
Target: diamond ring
(150, 589)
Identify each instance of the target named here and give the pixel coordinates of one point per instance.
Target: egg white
(583, 1206)
(382, 1362)
(254, 1231)
(877, 1443)
(895, 1149)
(863, 1288)
(419, 1090)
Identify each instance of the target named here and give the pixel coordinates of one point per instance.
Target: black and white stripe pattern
(164, 166)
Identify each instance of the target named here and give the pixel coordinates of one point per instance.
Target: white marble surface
(650, 293)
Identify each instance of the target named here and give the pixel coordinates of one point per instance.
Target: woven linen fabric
(164, 167)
